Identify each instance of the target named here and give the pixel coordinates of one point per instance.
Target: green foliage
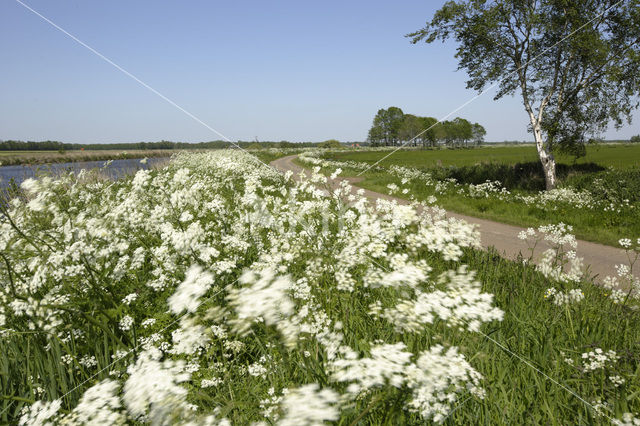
(478, 133)
(524, 176)
(331, 143)
(635, 139)
(392, 127)
(59, 146)
(611, 185)
(386, 126)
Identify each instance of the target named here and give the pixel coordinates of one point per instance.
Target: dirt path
(600, 258)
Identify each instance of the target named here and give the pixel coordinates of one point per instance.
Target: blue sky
(279, 70)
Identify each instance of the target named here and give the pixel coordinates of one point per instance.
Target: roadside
(599, 200)
(504, 238)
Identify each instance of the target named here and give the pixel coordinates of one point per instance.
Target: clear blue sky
(278, 70)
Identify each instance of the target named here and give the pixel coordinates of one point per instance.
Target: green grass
(269, 155)
(8, 158)
(538, 331)
(618, 156)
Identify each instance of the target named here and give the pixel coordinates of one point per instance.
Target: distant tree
(254, 145)
(386, 126)
(410, 127)
(285, 144)
(429, 135)
(331, 144)
(463, 131)
(375, 136)
(478, 133)
(449, 133)
(392, 127)
(635, 139)
(575, 63)
(440, 132)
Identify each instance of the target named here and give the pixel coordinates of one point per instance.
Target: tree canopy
(391, 127)
(331, 143)
(576, 64)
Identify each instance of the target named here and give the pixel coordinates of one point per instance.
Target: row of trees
(392, 127)
(12, 145)
(34, 146)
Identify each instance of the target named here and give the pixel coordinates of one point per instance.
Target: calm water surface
(116, 169)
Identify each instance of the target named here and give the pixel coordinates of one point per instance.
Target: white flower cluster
(560, 298)
(557, 263)
(628, 419)
(598, 359)
(625, 285)
(186, 298)
(550, 199)
(488, 189)
(220, 269)
(435, 378)
(461, 303)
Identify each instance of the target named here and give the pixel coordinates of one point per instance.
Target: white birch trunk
(546, 157)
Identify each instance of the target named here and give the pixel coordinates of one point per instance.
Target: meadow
(599, 195)
(217, 291)
(619, 156)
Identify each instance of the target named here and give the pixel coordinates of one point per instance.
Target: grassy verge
(545, 335)
(607, 223)
(271, 154)
(599, 227)
(139, 286)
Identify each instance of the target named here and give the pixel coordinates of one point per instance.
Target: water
(116, 169)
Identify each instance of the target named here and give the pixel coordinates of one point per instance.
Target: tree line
(12, 145)
(392, 127)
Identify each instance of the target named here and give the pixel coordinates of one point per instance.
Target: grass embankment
(107, 259)
(610, 173)
(10, 158)
(72, 341)
(267, 155)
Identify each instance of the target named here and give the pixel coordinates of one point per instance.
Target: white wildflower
(196, 283)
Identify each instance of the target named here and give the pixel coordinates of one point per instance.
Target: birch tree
(575, 63)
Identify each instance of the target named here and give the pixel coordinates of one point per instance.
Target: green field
(618, 156)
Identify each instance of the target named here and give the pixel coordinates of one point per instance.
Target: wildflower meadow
(217, 291)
